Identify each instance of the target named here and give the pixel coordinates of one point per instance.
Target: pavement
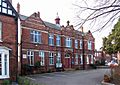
(80, 77)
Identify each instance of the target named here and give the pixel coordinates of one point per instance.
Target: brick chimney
(38, 14)
(57, 20)
(18, 8)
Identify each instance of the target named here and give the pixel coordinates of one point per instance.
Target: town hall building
(29, 44)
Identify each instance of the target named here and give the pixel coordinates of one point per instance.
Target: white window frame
(76, 44)
(88, 60)
(30, 55)
(76, 59)
(89, 45)
(35, 36)
(42, 56)
(51, 39)
(81, 44)
(81, 59)
(51, 58)
(4, 51)
(58, 57)
(68, 42)
(58, 40)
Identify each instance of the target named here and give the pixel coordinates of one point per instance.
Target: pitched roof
(23, 17)
(51, 25)
(48, 24)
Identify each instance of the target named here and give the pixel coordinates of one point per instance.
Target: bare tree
(100, 13)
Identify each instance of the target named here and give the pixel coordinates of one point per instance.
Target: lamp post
(83, 50)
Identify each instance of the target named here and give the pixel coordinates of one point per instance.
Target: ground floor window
(58, 60)
(81, 59)
(88, 59)
(4, 62)
(76, 59)
(30, 55)
(42, 56)
(91, 58)
(51, 58)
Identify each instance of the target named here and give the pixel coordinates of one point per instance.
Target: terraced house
(8, 41)
(53, 46)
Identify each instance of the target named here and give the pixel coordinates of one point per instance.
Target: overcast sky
(48, 10)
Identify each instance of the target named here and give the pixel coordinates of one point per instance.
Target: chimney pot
(38, 14)
(68, 22)
(18, 8)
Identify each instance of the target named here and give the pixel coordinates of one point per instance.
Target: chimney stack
(57, 20)
(38, 14)
(18, 8)
(68, 23)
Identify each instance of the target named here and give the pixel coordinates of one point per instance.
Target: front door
(67, 61)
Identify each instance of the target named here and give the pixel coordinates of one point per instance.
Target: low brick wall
(116, 75)
(104, 83)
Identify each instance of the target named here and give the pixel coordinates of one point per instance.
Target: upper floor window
(51, 39)
(42, 56)
(58, 40)
(5, 8)
(89, 45)
(76, 43)
(0, 31)
(81, 44)
(30, 55)
(68, 42)
(35, 36)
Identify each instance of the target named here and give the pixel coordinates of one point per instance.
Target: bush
(6, 82)
(93, 66)
(27, 69)
(37, 64)
(25, 81)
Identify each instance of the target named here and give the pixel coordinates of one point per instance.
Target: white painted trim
(33, 29)
(4, 51)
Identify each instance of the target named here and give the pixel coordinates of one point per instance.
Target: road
(86, 77)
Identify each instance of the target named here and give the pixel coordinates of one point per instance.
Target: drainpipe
(83, 49)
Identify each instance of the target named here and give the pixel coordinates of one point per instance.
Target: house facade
(8, 41)
(54, 46)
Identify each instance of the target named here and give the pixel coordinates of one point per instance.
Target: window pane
(10, 12)
(0, 2)
(4, 4)
(4, 10)
(5, 64)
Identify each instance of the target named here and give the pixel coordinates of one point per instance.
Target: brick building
(29, 40)
(8, 41)
(52, 45)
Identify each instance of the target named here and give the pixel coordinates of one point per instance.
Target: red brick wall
(65, 32)
(9, 30)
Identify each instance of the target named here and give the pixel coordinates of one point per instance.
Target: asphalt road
(89, 77)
